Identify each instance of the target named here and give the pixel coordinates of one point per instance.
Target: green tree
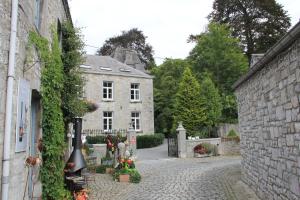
(259, 24)
(189, 104)
(218, 53)
(133, 39)
(72, 58)
(211, 101)
(166, 81)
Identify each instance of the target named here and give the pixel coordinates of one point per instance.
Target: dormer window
(106, 68)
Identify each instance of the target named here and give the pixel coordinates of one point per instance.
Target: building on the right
(269, 120)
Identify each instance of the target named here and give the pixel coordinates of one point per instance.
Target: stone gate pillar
(181, 140)
(131, 139)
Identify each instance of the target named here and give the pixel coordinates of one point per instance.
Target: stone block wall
(269, 120)
(229, 147)
(190, 145)
(121, 106)
(51, 11)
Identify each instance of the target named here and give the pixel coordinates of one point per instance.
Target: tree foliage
(259, 24)
(166, 82)
(52, 81)
(189, 104)
(218, 53)
(212, 103)
(133, 39)
(72, 58)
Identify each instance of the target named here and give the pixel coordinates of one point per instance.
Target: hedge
(148, 141)
(100, 139)
(143, 141)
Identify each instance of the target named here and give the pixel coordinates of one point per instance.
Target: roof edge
(281, 45)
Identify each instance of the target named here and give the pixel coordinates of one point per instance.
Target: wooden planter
(109, 170)
(124, 178)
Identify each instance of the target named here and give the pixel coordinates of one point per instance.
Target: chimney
(128, 57)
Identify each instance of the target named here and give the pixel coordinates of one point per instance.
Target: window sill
(107, 100)
(135, 101)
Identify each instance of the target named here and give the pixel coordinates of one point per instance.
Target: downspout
(9, 99)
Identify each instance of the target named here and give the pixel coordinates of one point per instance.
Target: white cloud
(167, 23)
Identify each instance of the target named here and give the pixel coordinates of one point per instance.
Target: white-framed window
(136, 120)
(107, 90)
(107, 120)
(134, 91)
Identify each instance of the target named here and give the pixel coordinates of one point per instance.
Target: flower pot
(109, 170)
(124, 178)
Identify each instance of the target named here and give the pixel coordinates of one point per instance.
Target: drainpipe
(9, 100)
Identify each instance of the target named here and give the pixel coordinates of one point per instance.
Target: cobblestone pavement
(214, 178)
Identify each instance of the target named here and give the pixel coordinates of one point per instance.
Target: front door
(33, 141)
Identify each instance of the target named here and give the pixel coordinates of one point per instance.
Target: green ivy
(72, 58)
(52, 82)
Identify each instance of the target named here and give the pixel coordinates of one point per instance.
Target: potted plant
(126, 172)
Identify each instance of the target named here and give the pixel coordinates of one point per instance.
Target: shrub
(101, 169)
(95, 139)
(101, 139)
(135, 176)
(232, 133)
(148, 141)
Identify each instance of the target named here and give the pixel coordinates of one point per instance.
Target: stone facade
(26, 67)
(121, 104)
(269, 121)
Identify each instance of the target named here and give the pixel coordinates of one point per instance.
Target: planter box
(109, 170)
(198, 155)
(124, 178)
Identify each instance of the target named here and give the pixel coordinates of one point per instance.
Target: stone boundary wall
(269, 120)
(229, 147)
(190, 144)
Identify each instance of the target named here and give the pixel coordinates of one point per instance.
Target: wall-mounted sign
(22, 116)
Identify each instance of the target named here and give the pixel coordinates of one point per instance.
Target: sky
(166, 23)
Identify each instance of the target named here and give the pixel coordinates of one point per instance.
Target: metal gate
(173, 146)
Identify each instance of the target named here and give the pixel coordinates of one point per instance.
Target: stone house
(123, 92)
(20, 124)
(269, 120)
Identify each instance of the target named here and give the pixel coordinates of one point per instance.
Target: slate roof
(110, 66)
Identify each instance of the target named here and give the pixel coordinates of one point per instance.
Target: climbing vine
(72, 57)
(52, 83)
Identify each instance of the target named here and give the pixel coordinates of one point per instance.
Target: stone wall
(269, 119)
(229, 147)
(223, 129)
(190, 144)
(121, 106)
(25, 68)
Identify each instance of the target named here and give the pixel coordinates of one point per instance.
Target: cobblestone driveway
(177, 179)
